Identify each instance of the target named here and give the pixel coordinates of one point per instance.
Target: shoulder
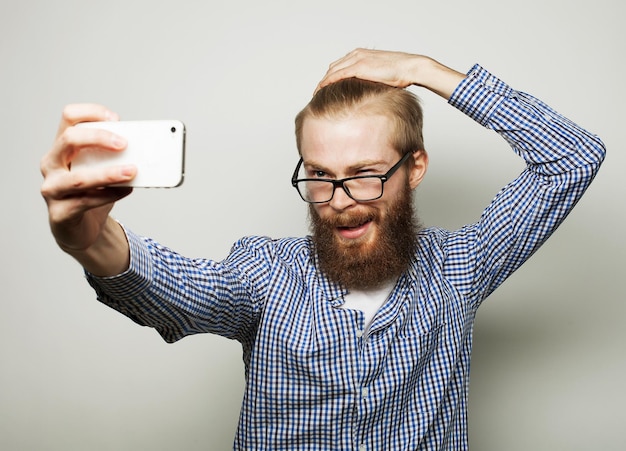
(437, 246)
(287, 249)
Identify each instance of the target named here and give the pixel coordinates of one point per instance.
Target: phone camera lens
(173, 129)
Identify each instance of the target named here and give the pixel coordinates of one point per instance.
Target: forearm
(549, 143)
(109, 255)
(179, 296)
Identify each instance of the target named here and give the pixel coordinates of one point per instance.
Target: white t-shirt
(368, 301)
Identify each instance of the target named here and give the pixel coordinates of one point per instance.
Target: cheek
(321, 210)
(395, 189)
(396, 186)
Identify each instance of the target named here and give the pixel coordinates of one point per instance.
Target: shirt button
(489, 83)
(359, 333)
(364, 392)
(362, 447)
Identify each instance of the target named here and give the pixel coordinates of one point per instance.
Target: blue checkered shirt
(314, 380)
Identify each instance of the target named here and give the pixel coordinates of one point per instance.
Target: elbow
(596, 150)
(591, 153)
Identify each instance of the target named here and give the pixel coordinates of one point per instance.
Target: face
(360, 244)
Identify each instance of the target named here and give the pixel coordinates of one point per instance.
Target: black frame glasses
(297, 183)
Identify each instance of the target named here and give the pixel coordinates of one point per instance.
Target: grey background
(549, 360)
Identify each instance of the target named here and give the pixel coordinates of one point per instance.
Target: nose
(341, 200)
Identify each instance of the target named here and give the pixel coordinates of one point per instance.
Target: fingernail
(118, 141)
(111, 116)
(127, 171)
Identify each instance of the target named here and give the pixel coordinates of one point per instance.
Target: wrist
(108, 256)
(437, 77)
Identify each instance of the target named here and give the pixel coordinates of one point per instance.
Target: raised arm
(79, 202)
(397, 69)
(561, 161)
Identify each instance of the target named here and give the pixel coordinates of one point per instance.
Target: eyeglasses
(361, 188)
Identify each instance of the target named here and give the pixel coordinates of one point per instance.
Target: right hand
(79, 202)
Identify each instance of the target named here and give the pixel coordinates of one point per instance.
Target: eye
(366, 171)
(316, 174)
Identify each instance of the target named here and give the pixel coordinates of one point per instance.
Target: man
(358, 337)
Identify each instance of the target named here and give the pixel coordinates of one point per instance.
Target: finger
(359, 63)
(74, 139)
(62, 184)
(345, 60)
(98, 198)
(84, 112)
(355, 69)
(73, 206)
(335, 76)
(336, 66)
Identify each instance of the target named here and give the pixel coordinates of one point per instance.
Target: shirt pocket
(421, 362)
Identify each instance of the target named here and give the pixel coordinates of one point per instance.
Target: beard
(359, 263)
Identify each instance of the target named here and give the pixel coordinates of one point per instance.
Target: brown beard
(363, 265)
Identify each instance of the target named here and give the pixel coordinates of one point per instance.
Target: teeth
(353, 226)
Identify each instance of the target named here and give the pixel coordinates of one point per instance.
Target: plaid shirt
(314, 380)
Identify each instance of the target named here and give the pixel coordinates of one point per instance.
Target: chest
(309, 338)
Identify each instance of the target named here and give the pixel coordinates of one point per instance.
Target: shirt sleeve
(561, 161)
(179, 296)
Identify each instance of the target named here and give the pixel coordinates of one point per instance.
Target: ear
(418, 170)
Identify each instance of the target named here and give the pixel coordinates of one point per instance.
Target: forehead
(347, 139)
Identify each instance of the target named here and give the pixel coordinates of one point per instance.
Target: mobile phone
(155, 147)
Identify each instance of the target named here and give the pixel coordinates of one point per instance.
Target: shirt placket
(371, 352)
(365, 403)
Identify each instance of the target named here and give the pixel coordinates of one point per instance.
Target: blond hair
(356, 96)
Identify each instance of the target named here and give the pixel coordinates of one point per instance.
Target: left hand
(398, 69)
(392, 68)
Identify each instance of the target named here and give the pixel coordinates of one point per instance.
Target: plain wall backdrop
(549, 357)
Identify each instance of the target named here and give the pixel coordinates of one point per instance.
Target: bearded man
(358, 337)
(364, 233)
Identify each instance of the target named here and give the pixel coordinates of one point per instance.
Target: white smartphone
(156, 147)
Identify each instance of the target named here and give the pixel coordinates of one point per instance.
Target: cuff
(136, 278)
(480, 94)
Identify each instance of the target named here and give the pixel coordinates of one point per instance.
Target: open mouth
(355, 226)
(354, 231)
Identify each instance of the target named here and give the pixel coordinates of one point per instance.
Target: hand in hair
(398, 69)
